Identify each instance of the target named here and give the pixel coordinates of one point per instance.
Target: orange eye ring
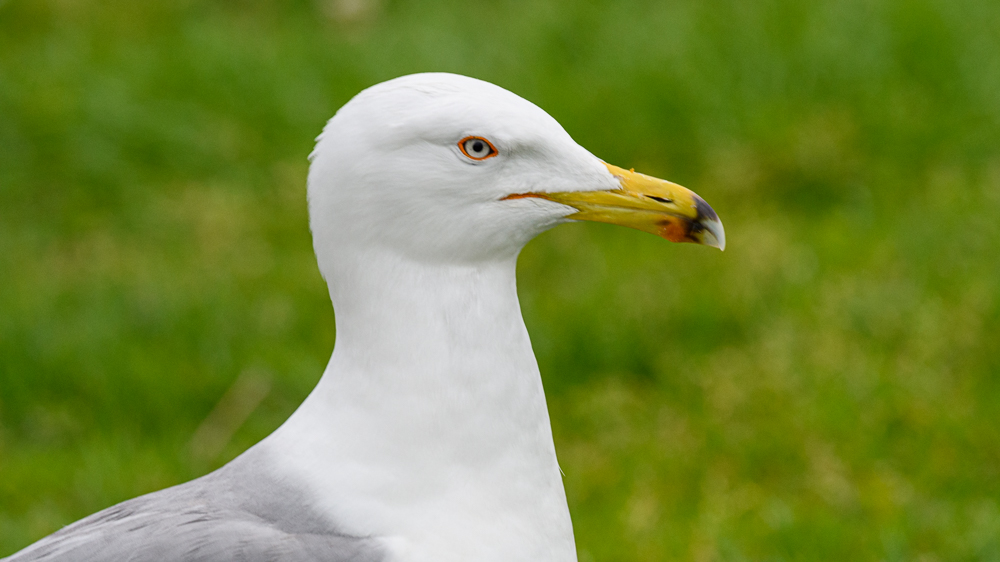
(477, 148)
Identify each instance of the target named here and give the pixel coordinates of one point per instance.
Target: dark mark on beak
(704, 209)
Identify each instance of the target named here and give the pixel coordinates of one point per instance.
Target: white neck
(429, 427)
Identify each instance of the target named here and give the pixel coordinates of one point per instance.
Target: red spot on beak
(674, 230)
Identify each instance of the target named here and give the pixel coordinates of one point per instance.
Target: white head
(425, 165)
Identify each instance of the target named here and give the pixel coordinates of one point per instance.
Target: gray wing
(238, 513)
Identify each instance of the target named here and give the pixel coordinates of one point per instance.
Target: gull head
(445, 168)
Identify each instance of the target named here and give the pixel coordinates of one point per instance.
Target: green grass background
(826, 389)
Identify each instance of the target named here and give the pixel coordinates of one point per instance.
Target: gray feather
(239, 513)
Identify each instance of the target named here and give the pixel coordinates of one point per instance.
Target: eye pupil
(477, 146)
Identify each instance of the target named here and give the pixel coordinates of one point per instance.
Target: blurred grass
(825, 389)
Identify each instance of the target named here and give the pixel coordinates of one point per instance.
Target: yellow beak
(646, 203)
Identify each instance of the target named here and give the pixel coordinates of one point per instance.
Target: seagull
(427, 439)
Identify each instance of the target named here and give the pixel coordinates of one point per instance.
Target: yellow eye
(477, 148)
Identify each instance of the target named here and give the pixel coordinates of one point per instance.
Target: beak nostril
(660, 199)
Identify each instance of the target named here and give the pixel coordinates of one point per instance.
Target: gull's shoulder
(239, 512)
